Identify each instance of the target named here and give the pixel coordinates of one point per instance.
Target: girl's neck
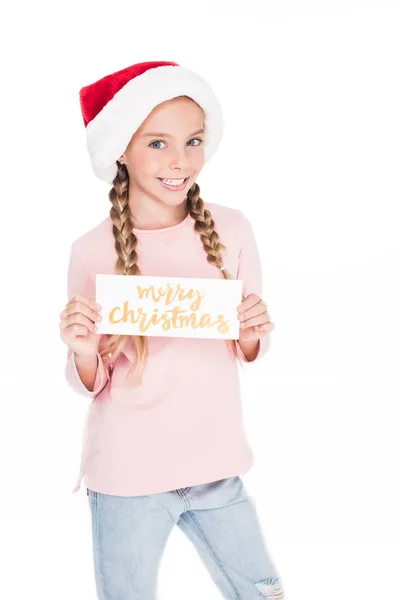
(143, 220)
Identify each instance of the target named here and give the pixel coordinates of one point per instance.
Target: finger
(78, 319)
(254, 311)
(266, 327)
(79, 306)
(261, 319)
(248, 302)
(89, 301)
(74, 330)
(258, 309)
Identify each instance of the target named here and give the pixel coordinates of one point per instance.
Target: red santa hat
(115, 106)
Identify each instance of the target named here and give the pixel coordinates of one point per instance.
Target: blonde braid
(125, 245)
(204, 224)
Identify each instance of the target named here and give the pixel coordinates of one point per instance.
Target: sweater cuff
(76, 383)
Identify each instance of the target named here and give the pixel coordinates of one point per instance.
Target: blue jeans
(130, 533)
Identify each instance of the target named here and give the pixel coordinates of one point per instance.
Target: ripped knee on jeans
(270, 588)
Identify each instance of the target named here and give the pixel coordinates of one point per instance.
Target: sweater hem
(177, 484)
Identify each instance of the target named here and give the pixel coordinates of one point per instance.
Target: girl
(167, 445)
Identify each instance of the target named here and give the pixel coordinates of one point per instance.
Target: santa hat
(114, 107)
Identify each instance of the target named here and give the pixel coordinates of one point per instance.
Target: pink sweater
(182, 425)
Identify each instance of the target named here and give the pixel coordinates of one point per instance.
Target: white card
(169, 306)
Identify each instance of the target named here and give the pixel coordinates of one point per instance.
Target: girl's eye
(156, 142)
(199, 139)
(161, 142)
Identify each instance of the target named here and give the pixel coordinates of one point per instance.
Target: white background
(310, 153)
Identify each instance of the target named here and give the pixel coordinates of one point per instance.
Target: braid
(125, 245)
(204, 224)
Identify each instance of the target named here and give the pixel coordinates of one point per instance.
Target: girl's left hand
(254, 319)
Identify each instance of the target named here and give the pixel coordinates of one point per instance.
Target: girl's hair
(127, 263)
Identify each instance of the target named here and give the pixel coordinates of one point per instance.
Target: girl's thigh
(129, 534)
(227, 534)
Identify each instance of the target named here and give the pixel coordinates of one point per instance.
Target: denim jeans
(130, 533)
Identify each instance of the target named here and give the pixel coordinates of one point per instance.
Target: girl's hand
(254, 319)
(77, 325)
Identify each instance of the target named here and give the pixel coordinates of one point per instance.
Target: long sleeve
(81, 282)
(250, 272)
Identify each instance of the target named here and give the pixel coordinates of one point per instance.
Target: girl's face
(168, 145)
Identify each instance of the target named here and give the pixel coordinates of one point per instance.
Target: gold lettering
(176, 318)
(130, 313)
(170, 295)
(205, 321)
(223, 326)
(111, 315)
(142, 292)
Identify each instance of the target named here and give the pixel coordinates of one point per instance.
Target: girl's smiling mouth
(171, 185)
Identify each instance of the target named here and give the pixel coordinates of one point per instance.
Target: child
(167, 445)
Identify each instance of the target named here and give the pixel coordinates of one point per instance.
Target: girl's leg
(222, 522)
(129, 535)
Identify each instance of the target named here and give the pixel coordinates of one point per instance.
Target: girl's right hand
(77, 325)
